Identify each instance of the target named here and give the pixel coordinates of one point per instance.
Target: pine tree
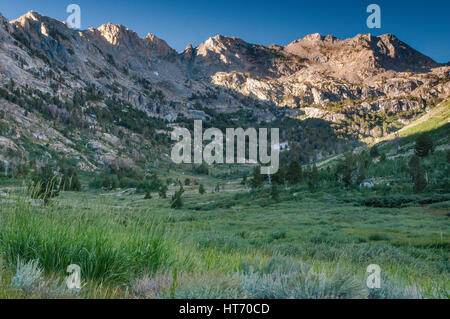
(201, 189)
(256, 181)
(294, 173)
(424, 145)
(70, 181)
(313, 180)
(244, 179)
(274, 192)
(163, 191)
(279, 177)
(417, 172)
(374, 151)
(177, 199)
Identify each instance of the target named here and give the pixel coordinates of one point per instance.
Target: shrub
(152, 286)
(394, 289)
(393, 201)
(301, 285)
(379, 237)
(202, 169)
(27, 277)
(278, 235)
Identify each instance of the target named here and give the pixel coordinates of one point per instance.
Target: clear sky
(423, 24)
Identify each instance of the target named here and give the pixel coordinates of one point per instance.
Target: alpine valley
(106, 95)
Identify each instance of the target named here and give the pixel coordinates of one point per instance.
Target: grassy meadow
(237, 241)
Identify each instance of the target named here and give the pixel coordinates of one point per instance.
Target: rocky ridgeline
(312, 70)
(314, 77)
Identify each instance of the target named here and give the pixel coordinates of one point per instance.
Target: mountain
(107, 95)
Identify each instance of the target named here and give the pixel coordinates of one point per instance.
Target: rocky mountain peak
(306, 75)
(220, 44)
(117, 34)
(158, 45)
(189, 52)
(34, 25)
(313, 37)
(361, 56)
(397, 55)
(25, 20)
(4, 24)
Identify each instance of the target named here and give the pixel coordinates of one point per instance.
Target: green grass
(118, 240)
(106, 245)
(235, 243)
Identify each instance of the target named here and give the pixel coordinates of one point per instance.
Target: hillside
(106, 96)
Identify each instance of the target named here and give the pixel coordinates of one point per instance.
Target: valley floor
(233, 244)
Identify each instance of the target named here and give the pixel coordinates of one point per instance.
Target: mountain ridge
(367, 85)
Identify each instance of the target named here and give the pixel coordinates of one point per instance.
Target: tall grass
(105, 246)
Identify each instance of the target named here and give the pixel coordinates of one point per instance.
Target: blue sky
(425, 25)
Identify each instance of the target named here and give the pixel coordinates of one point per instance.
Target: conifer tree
(374, 151)
(256, 181)
(274, 192)
(417, 172)
(163, 191)
(294, 173)
(177, 199)
(424, 145)
(313, 180)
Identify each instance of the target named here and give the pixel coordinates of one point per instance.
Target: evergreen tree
(177, 199)
(351, 170)
(424, 145)
(294, 173)
(148, 195)
(256, 181)
(417, 172)
(374, 151)
(279, 177)
(163, 191)
(70, 181)
(313, 180)
(274, 192)
(201, 189)
(244, 179)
